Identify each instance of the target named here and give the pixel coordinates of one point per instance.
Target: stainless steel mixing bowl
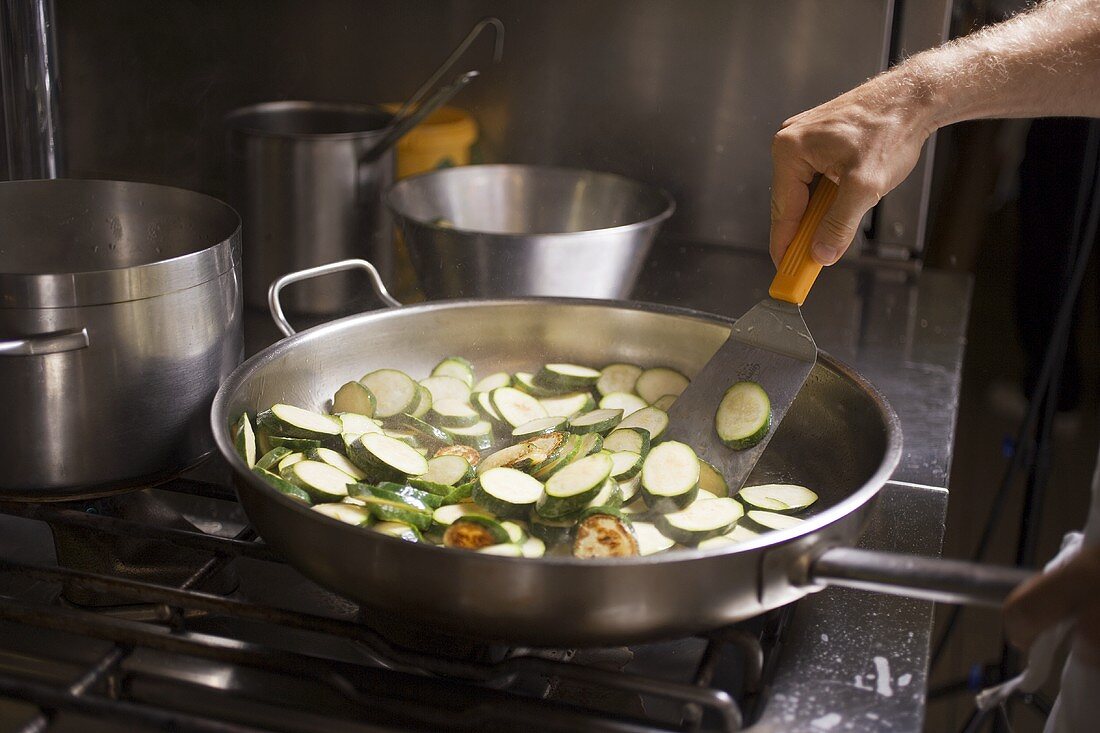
(521, 230)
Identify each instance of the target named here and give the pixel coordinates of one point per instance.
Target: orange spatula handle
(797, 270)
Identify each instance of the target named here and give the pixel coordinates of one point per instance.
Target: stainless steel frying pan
(840, 437)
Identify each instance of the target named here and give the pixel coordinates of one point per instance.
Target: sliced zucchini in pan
(244, 440)
(670, 477)
(516, 407)
(597, 421)
(473, 532)
(283, 486)
(735, 536)
(560, 458)
(532, 547)
(298, 445)
(346, 513)
(427, 434)
(388, 510)
(565, 377)
(471, 454)
(452, 413)
(650, 539)
(591, 444)
(289, 460)
(457, 367)
(516, 533)
(514, 456)
(626, 465)
(400, 530)
(383, 458)
(293, 422)
(744, 415)
(570, 489)
(448, 470)
(507, 492)
(712, 481)
(353, 424)
(568, 405)
(604, 535)
(493, 381)
(321, 481)
(635, 440)
(425, 501)
(409, 437)
(777, 497)
(479, 435)
(650, 419)
(271, 459)
(444, 388)
(629, 488)
(483, 401)
(538, 426)
(618, 378)
(658, 382)
(354, 397)
(705, 518)
(446, 515)
(505, 550)
(628, 403)
(525, 382)
(773, 520)
(609, 497)
(423, 402)
(394, 392)
(336, 460)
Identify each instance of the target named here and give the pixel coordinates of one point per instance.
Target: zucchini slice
(423, 402)
(244, 440)
(505, 550)
(283, 486)
(421, 499)
(552, 531)
(478, 436)
(452, 413)
(566, 453)
(272, 457)
(597, 421)
(289, 421)
(664, 402)
(629, 488)
(516, 533)
(424, 431)
(735, 536)
(628, 403)
(394, 392)
(353, 424)
(493, 381)
(568, 405)
(444, 388)
(507, 492)
(525, 382)
(321, 481)
(289, 460)
(650, 419)
(448, 470)
(383, 458)
(778, 497)
(650, 539)
(336, 460)
(591, 444)
(516, 407)
(539, 426)
(702, 520)
(299, 445)
(604, 535)
(473, 532)
(773, 520)
(346, 513)
(388, 510)
(744, 415)
(565, 377)
(471, 454)
(354, 397)
(656, 383)
(635, 440)
(457, 367)
(532, 547)
(618, 378)
(449, 513)
(625, 465)
(712, 481)
(609, 497)
(400, 530)
(570, 489)
(670, 477)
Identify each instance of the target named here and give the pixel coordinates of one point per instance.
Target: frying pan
(840, 438)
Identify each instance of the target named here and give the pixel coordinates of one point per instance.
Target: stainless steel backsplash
(684, 94)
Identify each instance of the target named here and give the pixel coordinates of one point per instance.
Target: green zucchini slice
(507, 492)
(446, 388)
(744, 415)
(452, 413)
(778, 497)
(566, 377)
(626, 465)
(618, 378)
(516, 407)
(394, 392)
(628, 403)
(289, 421)
(336, 460)
(457, 367)
(655, 383)
(493, 381)
(604, 535)
(383, 458)
(635, 440)
(650, 419)
(448, 470)
(283, 486)
(478, 436)
(568, 405)
(670, 477)
(244, 440)
(354, 397)
(650, 539)
(570, 489)
(346, 513)
(446, 515)
(712, 481)
(321, 481)
(400, 530)
(773, 520)
(538, 426)
(473, 532)
(601, 421)
(705, 518)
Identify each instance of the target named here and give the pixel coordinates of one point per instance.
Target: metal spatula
(770, 345)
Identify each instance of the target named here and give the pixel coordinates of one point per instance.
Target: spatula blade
(769, 345)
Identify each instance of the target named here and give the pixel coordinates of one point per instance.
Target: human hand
(866, 141)
(1071, 591)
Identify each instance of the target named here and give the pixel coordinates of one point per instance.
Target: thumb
(838, 228)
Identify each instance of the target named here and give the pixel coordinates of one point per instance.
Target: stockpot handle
(54, 342)
(928, 578)
(311, 272)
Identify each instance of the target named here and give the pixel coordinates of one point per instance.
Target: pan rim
(851, 504)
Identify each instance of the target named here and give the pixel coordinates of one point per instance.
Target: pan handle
(276, 306)
(929, 578)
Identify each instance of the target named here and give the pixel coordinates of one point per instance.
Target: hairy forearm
(1042, 63)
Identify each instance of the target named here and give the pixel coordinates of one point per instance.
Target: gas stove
(161, 608)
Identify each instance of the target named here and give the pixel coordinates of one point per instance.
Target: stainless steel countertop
(852, 660)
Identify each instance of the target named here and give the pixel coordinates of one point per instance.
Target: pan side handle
(933, 579)
(276, 305)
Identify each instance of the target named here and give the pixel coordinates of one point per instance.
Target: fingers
(1052, 597)
(791, 178)
(837, 230)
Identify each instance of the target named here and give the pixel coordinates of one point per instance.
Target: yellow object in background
(442, 140)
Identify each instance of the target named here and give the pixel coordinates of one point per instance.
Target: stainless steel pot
(519, 230)
(839, 437)
(296, 177)
(120, 314)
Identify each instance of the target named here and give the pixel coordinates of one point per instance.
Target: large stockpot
(839, 437)
(120, 314)
(297, 178)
